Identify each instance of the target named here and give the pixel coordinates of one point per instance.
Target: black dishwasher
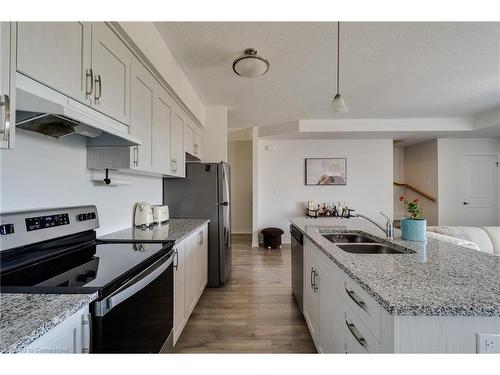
(297, 266)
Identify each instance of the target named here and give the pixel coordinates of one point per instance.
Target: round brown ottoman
(272, 237)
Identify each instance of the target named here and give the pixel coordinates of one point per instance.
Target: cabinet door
(202, 260)
(58, 55)
(141, 111)
(111, 62)
(179, 289)
(177, 145)
(198, 145)
(161, 130)
(311, 293)
(188, 139)
(70, 336)
(330, 316)
(7, 84)
(190, 286)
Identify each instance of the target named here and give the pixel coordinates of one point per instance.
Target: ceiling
(388, 70)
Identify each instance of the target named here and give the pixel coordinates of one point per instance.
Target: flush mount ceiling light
(338, 103)
(250, 64)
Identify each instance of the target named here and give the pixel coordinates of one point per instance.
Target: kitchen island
(429, 297)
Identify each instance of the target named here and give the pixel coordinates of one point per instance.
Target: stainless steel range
(56, 251)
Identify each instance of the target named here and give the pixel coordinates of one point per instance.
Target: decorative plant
(412, 207)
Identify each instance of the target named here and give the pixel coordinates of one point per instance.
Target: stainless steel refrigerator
(205, 193)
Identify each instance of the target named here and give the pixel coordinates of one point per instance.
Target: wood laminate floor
(254, 312)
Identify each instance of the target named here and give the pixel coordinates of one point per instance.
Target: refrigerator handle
(225, 204)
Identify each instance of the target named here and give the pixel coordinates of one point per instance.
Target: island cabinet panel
(312, 282)
(442, 334)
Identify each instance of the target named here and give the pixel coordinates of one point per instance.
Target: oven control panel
(49, 221)
(27, 227)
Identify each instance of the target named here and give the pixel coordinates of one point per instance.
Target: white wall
(43, 172)
(449, 151)
(421, 171)
(240, 160)
(215, 136)
(282, 192)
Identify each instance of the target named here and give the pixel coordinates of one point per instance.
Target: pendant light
(338, 103)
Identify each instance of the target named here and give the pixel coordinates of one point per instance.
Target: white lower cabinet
(70, 336)
(190, 276)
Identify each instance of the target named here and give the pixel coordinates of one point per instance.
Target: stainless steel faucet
(389, 225)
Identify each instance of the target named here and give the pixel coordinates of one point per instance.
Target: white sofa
(485, 239)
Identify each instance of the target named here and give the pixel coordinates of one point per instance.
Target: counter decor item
(413, 228)
(326, 171)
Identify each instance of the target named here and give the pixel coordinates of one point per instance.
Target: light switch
(487, 343)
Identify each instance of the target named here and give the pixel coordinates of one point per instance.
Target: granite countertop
(173, 230)
(439, 279)
(26, 317)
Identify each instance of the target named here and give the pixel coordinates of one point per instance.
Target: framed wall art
(326, 171)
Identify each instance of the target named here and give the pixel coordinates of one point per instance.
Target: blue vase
(413, 229)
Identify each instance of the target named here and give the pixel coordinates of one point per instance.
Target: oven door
(138, 317)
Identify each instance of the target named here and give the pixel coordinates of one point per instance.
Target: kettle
(143, 214)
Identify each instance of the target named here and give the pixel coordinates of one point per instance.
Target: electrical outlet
(487, 343)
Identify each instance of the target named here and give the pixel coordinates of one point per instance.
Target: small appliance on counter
(143, 214)
(160, 214)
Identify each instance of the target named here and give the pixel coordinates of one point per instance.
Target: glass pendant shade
(338, 104)
(250, 64)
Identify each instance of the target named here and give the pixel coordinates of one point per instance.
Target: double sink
(360, 244)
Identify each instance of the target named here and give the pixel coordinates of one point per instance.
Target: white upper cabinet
(85, 61)
(141, 109)
(7, 84)
(57, 54)
(161, 130)
(177, 145)
(188, 139)
(111, 63)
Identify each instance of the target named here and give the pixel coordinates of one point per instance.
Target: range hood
(43, 110)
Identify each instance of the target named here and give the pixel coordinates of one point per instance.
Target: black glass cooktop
(85, 268)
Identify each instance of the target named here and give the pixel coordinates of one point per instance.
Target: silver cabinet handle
(315, 287)
(355, 298)
(136, 156)
(89, 93)
(5, 102)
(86, 333)
(360, 339)
(465, 203)
(312, 285)
(176, 259)
(98, 98)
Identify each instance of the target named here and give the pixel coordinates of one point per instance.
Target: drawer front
(362, 304)
(357, 337)
(367, 308)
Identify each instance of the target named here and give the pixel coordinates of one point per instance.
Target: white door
(141, 110)
(57, 54)
(161, 131)
(179, 286)
(478, 189)
(111, 62)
